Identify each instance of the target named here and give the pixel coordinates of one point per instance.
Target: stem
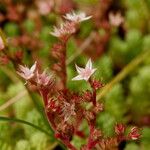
(64, 66)
(50, 119)
(94, 97)
(94, 92)
(69, 145)
(130, 67)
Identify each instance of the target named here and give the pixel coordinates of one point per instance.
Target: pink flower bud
(96, 84)
(134, 133)
(119, 129)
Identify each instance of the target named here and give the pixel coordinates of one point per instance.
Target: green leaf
(24, 122)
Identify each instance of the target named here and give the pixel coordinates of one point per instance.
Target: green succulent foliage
(146, 42)
(11, 29)
(106, 122)
(29, 25)
(140, 92)
(115, 102)
(23, 145)
(132, 146)
(145, 138)
(5, 136)
(5, 146)
(4, 130)
(85, 29)
(3, 83)
(34, 117)
(117, 50)
(78, 142)
(104, 68)
(134, 41)
(39, 141)
(123, 51)
(71, 47)
(137, 14)
(23, 105)
(87, 1)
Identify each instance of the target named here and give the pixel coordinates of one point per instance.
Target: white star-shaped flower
(77, 17)
(85, 73)
(27, 73)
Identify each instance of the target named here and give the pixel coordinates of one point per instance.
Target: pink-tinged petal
(21, 67)
(33, 67)
(77, 17)
(87, 18)
(86, 78)
(79, 69)
(89, 64)
(93, 70)
(2, 46)
(79, 77)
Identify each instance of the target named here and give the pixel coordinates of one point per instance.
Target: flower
(115, 19)
(84, 73)
(65, 30)
(77, 17)
(68, 110)
(27, 73)
(134, 133)
(44, 79)
(1, 44)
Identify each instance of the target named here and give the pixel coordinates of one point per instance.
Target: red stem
(64, 67)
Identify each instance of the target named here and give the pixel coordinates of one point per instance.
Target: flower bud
(134, 133)
(119, 129)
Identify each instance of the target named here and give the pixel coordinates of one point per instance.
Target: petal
(22, 68)
(86, 18)
(32, 69)
(93, 70)
(79, 77)
(86, 78)
(89, 64)
(79, 69)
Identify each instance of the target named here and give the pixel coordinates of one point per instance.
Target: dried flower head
(115, 19)
(77, 17)
(27, 73)
(84, 73)
(64, 31)
(68, 110)
(44, 79)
